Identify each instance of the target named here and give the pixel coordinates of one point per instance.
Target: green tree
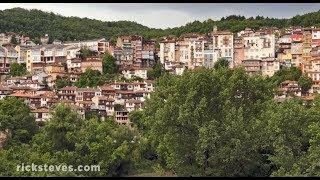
(305, 83)
(17, 69)
(156, 71)
(211, 120)
(86, 52)
(109, 64)
(90, 78)
(68, 139)
(293, 129)
(16, 121)
(292, 73)
(62, 82)
(221, 63)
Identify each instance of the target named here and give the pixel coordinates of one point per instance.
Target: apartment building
(5, 38)
(167, 51)
(8, 55)
(104, 105)
(264, 67)
(223, 45)
(259, 45)
(94, 63)
(129, 73)
(312, 69)
(297, 47)
(98, 45)
(238, 55)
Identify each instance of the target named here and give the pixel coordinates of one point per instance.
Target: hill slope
(36, 23)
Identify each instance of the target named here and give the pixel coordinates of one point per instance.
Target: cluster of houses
(111, 100)
(253, 50)
(263, 51)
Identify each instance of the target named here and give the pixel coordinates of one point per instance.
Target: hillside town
(263, 52)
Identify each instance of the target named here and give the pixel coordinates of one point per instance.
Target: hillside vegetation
(36, 23)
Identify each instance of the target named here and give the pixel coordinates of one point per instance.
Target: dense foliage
(16, 121)
(70, 140)
(90, 78)
(109, 64)
(206, 122)
(156, 71)
(17, 69)
(221, 63)
(226, 123)
(292, 74)
(62, 82)
(31, 23)
(85, 53)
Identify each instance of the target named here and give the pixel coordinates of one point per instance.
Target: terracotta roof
(124, 92)
(140, 91)
(65, 101)
(105, 98)
(20, 94)
(85, 102)
(76, 107)
(87, 89)
(138, 83)
(222, 33)
(133, 101)
(150, 81)
(68, 88)
(42, 110)
(5, 88)
(47, 94)
(75, 60)
(120, 83)
(107, 88)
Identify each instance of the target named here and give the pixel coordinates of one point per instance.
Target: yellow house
(33, 59)
(287, 56)
(29, 60)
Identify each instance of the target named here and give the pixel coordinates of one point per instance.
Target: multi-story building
(133, 104)
(133, 71)
(265, 66)
(306, 44)
(167, 51)
(208, 54)
(5, 39)
(283, 52)
(33, 61)
(104, 105)
(315, 37)
(259, 45)
(8, 55)
(94, 63)
(74, 65)
(86, 94)
(67, 93)
(223, 45)
(238, 54)
(297, 47)
(122, 117)
(72, 52)
(98, 45)
(312, 69)
(196, 49)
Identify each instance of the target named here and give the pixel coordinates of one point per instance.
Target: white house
(138, 72)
